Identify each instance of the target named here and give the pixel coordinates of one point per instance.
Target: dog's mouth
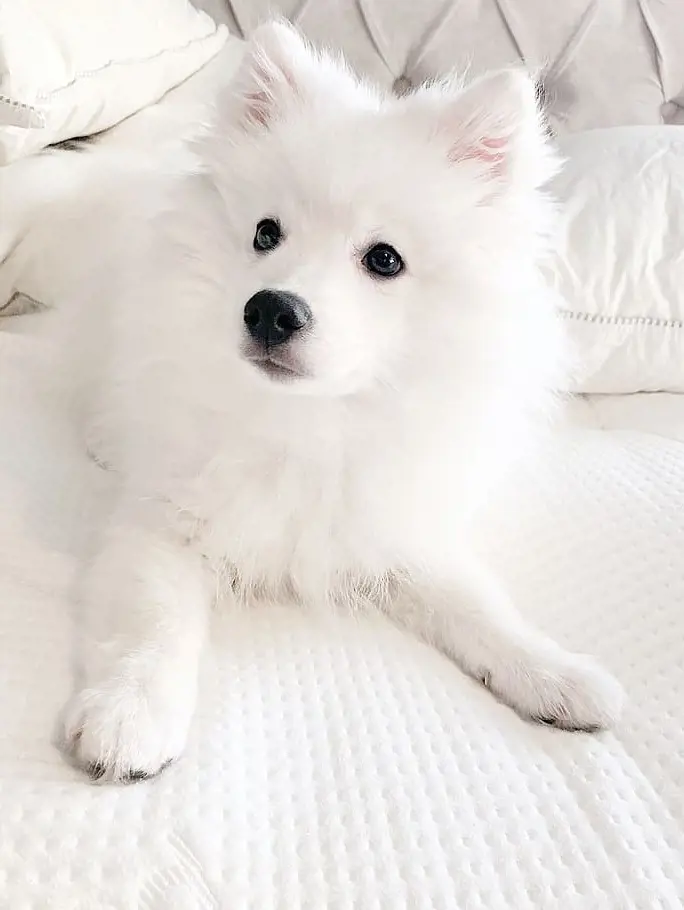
(274, 368)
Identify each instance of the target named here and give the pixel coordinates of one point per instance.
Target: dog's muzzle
(273, 317)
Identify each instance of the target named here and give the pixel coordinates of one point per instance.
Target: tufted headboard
(602, 62)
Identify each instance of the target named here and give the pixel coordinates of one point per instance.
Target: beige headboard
(604, 62)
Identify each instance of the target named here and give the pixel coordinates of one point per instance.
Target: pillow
(619, 262)
(41, 196)
(74, 67)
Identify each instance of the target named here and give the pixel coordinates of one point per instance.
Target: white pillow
(620, 257)
(75, 67)
(44, 196)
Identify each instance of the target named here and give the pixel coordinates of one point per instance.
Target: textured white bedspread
(347, 766)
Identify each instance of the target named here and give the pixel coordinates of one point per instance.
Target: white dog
(307, 355)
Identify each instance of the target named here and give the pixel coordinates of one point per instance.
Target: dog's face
(369, 235)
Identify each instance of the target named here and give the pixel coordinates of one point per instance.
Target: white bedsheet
(347, 766)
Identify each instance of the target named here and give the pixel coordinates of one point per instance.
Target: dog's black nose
(274, 316)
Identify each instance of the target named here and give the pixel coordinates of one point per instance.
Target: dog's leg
(145, 603)
(472, 620)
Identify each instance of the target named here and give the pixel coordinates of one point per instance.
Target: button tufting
(401, 86)
(587, 54)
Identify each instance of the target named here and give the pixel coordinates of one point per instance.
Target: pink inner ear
(272, 85)
(490, 151)
(258, 104)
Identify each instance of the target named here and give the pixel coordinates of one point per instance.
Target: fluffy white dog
(307, 354)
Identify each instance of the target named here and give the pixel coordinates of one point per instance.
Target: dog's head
(372, 238)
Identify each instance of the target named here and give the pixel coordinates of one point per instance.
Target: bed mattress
(341, 764)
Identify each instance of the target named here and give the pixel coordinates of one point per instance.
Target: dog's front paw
(564, 690)
(125, 730)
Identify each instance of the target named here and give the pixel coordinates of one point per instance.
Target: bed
(339, 763)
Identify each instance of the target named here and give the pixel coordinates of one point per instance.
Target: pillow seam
(637, 321)
(22, 115)
(5, 99)
(128, 61)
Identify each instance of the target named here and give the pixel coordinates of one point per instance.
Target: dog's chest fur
(316, 506)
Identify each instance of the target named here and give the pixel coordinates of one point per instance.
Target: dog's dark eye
(267, 236)
(383, 260)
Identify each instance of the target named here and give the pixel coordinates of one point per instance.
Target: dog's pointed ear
(274, 70)
(495, 123)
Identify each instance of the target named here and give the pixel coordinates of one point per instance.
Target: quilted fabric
(604, 62)
(343, 765)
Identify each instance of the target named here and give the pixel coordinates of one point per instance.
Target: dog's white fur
(351, 486)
